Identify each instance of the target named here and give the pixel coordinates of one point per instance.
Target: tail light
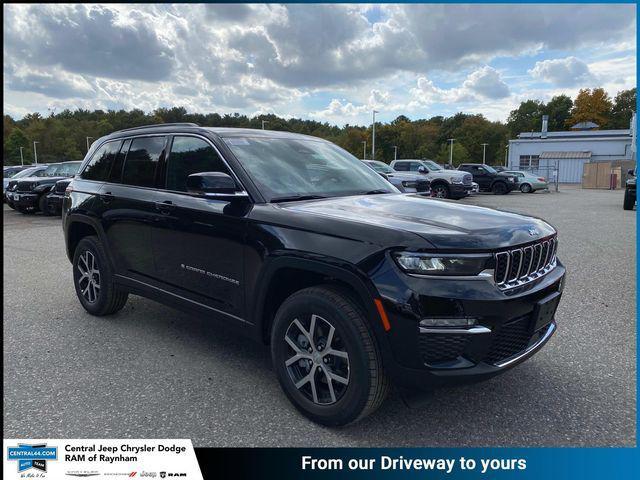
(542, 179)
(68, 190)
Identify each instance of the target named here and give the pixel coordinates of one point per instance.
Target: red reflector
(383, 314)
(542, 179)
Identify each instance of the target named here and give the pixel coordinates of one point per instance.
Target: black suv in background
(295, 242)
(630, 190)
(489, 179)
(29, 194)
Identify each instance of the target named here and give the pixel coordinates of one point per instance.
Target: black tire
(367, 385)
(109, 298)
(526, 188)
(42, 205)
(629, 200)
(11, 205)
(499, 188)
(440, 190)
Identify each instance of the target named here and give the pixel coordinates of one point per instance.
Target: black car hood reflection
(444, 224)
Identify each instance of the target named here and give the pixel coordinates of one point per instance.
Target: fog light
(448, 322)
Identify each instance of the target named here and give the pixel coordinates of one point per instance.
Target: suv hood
(444, 225)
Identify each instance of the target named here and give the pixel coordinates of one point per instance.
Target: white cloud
(563, 72)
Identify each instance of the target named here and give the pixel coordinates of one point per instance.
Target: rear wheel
(93, 279)
(629, 200)
(499, 188)
(326, 357)
(526, 188)
(440, 190)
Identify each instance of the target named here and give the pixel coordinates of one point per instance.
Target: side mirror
(213, 185)
(422, 169)
(631, 172)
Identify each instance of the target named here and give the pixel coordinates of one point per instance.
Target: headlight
(439, 264)
(409, 183)
(456, 179)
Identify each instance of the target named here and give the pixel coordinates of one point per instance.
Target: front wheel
(525, 188)
(93, 279)
(499, 188)
(326, 357)
(440, 190)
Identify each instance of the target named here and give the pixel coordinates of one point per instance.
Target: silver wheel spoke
(332, 330)
(338, 378)
(337, 353)
(314, 392)
(297, 323)
(332, 393)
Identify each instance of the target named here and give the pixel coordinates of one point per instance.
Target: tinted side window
(190, 155)
(401, 167)
(115, 176)
(414, 166)
(142, 160)
(100, 164)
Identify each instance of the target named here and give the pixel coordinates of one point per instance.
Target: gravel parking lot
(153, 372)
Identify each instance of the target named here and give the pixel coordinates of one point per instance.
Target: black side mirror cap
(213, 185)
(631, 172)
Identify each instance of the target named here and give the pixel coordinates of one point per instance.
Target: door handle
(106, 197)
(164, 207)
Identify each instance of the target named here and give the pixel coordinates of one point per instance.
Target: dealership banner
(91, 458)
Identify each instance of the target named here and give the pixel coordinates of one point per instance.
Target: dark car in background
(29, 194)
(489, 179)
(630, 190)
(9, 184)
(404, 181)
(293, 241)
(53, 201)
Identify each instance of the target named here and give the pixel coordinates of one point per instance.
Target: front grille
(511, 339)
(467, 179)
(518, 266)
(25, 186)
(12, 185)
(61, 187)
(441, 347)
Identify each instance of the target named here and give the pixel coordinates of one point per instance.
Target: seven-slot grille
(518, 266)
(25, 186)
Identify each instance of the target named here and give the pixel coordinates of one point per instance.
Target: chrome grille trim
(541, 259)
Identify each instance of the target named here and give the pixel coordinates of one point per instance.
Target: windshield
(9, 172)
(26, 172)
(431, 165)
(291, 167)
(62, 169)
(381, 167)
(490, 169)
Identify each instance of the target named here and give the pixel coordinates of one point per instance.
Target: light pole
(35, 152)
(506, 155)
(373, 137)
(21, 157)
(364, 150)
(395, 152)
(264, 122)
(484, 152)
(88, 144)
(451, 152)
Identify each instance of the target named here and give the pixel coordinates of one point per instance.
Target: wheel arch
(79, 226)
(284, 276)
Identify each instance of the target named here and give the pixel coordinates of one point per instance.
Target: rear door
(199, 242)
(130, 205)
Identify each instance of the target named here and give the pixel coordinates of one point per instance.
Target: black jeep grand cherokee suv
(297, 243)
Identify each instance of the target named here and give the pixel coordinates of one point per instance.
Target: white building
(566, 153)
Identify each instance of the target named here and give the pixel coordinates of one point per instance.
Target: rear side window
(191, 155)
(142, 161)
(115, 176)
(401, 166)
(100, 164)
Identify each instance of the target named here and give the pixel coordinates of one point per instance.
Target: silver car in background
(529, 183)
(405, 182)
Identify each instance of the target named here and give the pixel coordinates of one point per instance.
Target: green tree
(526, 118)
(559, 110)
(623, 107)
(12, 144)
(460, 154)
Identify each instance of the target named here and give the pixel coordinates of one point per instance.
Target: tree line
(63, 136)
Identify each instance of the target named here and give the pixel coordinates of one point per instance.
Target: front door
(198, 243)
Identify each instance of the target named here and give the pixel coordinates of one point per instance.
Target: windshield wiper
(293, 198)
(376, 192)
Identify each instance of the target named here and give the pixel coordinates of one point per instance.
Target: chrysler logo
(533, 232)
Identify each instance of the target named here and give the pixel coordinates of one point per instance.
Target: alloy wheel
(440, 192)
(89, 281)
(317, 362)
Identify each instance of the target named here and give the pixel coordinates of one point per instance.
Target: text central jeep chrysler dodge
(299, 244)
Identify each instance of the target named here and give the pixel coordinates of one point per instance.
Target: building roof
(576, 134)
(585, 126)
(564, 155)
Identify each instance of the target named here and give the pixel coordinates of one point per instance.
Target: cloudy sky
(327, 62)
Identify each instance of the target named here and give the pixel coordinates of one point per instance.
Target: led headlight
(456, 179)
(440, 264)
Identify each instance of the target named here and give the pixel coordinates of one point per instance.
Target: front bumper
(24, 199)
(54, 203)
(460, 190)
(503, 333)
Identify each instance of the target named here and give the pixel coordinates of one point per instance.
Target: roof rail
(177, 124)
